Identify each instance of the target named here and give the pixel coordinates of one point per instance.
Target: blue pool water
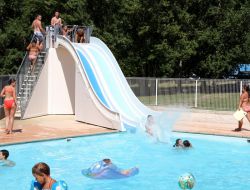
(216, 162)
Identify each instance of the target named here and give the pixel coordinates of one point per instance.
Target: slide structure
(102, 94)
(108, 82)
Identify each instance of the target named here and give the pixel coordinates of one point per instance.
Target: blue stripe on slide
(92, 78)
(111, 81)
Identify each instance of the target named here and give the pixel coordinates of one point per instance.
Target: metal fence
(210, 94)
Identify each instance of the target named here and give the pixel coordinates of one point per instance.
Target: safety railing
(26, 80)
(75, 33)
(210, 94)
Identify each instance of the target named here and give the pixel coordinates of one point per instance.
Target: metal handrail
(22, 74)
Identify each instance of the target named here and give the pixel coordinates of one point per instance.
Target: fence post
(156, 94)
(241, 87)
(196, 94)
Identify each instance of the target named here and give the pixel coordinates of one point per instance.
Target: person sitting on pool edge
(4, 154)
(41, 172)
(178, 143)
(187, 144)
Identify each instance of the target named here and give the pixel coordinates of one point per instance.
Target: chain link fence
(210, 94)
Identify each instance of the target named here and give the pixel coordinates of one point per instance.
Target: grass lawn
(218, 101)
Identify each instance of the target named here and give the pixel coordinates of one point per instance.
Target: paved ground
(64, 126)
(48, 127)
(208, 122)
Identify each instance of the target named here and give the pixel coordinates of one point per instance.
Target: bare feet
(237, 129)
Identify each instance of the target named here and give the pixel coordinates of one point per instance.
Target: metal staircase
(26, 81)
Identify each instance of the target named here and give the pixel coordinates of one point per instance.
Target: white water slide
(107, 84)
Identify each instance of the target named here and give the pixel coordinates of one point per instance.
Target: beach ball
(186, 181)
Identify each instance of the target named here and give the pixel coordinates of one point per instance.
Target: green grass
(222, 101)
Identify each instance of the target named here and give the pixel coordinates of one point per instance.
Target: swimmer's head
(150, 119)
(106, 160)
(178, 143)
(4, 154)
(41, 172)
(187, 144)
(41, 169)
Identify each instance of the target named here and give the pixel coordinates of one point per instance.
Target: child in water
(187, 144)
(109, 164)
(41, 172)
(4, 154)
(149, 125)
(178, 143)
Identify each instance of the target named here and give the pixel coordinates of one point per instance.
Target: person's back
(9, 92)
(36, 25)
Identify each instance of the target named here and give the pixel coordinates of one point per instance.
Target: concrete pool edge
(58, 138)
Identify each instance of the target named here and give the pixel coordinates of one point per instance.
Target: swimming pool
(216, 162)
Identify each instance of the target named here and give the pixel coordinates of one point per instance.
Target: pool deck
(64, 126)
(212, 123)
(48, 127)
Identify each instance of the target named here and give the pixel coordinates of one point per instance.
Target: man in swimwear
(9, 94)
(56, 22)
(4, 154)
(38, 29)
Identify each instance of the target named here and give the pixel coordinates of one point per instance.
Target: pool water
(216, 162)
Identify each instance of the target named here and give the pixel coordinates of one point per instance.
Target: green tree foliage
(160, 38)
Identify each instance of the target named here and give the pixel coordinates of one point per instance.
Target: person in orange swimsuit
(9, 94)
(245, 105)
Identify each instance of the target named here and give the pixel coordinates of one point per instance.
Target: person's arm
(52, 22)
(28, 48)
(32, 25)
(14, 95)
(60, 22)
(3, 92)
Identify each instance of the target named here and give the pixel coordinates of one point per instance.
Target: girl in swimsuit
(34, 49)
(244, 104)
(9, 94)
(41, 172)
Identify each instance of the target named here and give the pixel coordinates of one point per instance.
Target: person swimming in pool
(149, 125)
(9, 94)
(187, 144)
(178, 143)
(41, 172)
(110, 165)
(4, 154)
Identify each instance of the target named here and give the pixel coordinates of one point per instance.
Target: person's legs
(12, 117)
(7, 119)
(239, 125)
